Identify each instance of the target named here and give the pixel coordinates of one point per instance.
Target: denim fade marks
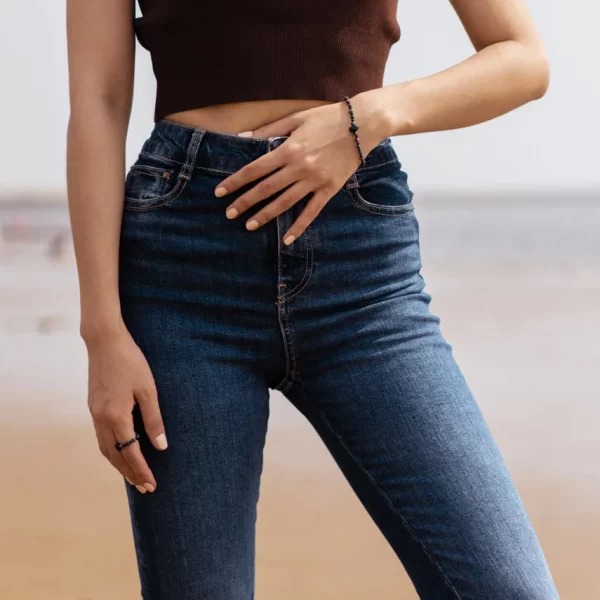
(339, 322)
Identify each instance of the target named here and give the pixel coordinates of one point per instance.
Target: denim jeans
(339, 322)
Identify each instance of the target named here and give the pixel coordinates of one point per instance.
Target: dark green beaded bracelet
(353, 129)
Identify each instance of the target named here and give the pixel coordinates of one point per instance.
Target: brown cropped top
(208, 52)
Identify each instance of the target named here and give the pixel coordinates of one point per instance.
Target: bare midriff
(241, 116)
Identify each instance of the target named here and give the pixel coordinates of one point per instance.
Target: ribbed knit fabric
(220, 51)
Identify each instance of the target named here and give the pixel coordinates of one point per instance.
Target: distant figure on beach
(59, 245)
(266, 238)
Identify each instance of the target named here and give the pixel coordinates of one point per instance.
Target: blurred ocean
(457, 226)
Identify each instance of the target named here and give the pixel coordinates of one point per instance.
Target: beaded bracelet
(353, 129)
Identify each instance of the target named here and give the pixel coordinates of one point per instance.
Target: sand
(65, 530)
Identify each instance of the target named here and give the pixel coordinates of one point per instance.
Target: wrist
(101, 330)
(388, 110)
(373, 118)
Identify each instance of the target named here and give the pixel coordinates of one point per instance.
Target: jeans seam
(161, 157)
(151, 169)
(307, 272)
(388, 500)
(210, 131)
(371, 167)
(157, 202)
(399, 210)
(182, 180)
(404, 210)
(290, 372)
(290, 359)
(214, 170)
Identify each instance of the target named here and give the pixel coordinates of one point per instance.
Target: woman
(260, 241)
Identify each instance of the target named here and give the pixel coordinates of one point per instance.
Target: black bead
(353, 128)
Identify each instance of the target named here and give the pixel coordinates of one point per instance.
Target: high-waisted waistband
(226, 152)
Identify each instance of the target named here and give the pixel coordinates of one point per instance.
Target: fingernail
(252, 225)
(220, 191)
(161, 441)
(245, 134)
(289, 239)
(141, 489)
(149, 487)
(129, 481)
(231, 213)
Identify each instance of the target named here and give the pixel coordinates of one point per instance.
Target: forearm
(494, 81)
(95, 175)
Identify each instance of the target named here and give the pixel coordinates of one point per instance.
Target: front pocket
(152, 182)
(381, 190)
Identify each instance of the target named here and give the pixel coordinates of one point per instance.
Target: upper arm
(101, 52)
(491, 21)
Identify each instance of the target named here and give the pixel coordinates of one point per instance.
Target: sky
(550, 144)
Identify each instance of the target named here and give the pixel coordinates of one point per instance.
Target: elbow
(542, 78)
(89, 103)
(538, 71)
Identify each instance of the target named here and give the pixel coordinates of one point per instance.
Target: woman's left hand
(318, 157)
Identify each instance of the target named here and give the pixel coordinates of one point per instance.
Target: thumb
(147, 399)
(283, 126)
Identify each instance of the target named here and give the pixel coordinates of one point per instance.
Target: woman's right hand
(118, 377)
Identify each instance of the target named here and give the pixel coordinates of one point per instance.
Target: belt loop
(192, 153)
(352, 182)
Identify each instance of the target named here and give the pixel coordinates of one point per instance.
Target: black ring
(119, 446)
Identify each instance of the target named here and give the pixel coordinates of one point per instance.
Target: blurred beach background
(510, 224)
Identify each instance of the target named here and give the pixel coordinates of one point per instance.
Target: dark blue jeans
(339, 322)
